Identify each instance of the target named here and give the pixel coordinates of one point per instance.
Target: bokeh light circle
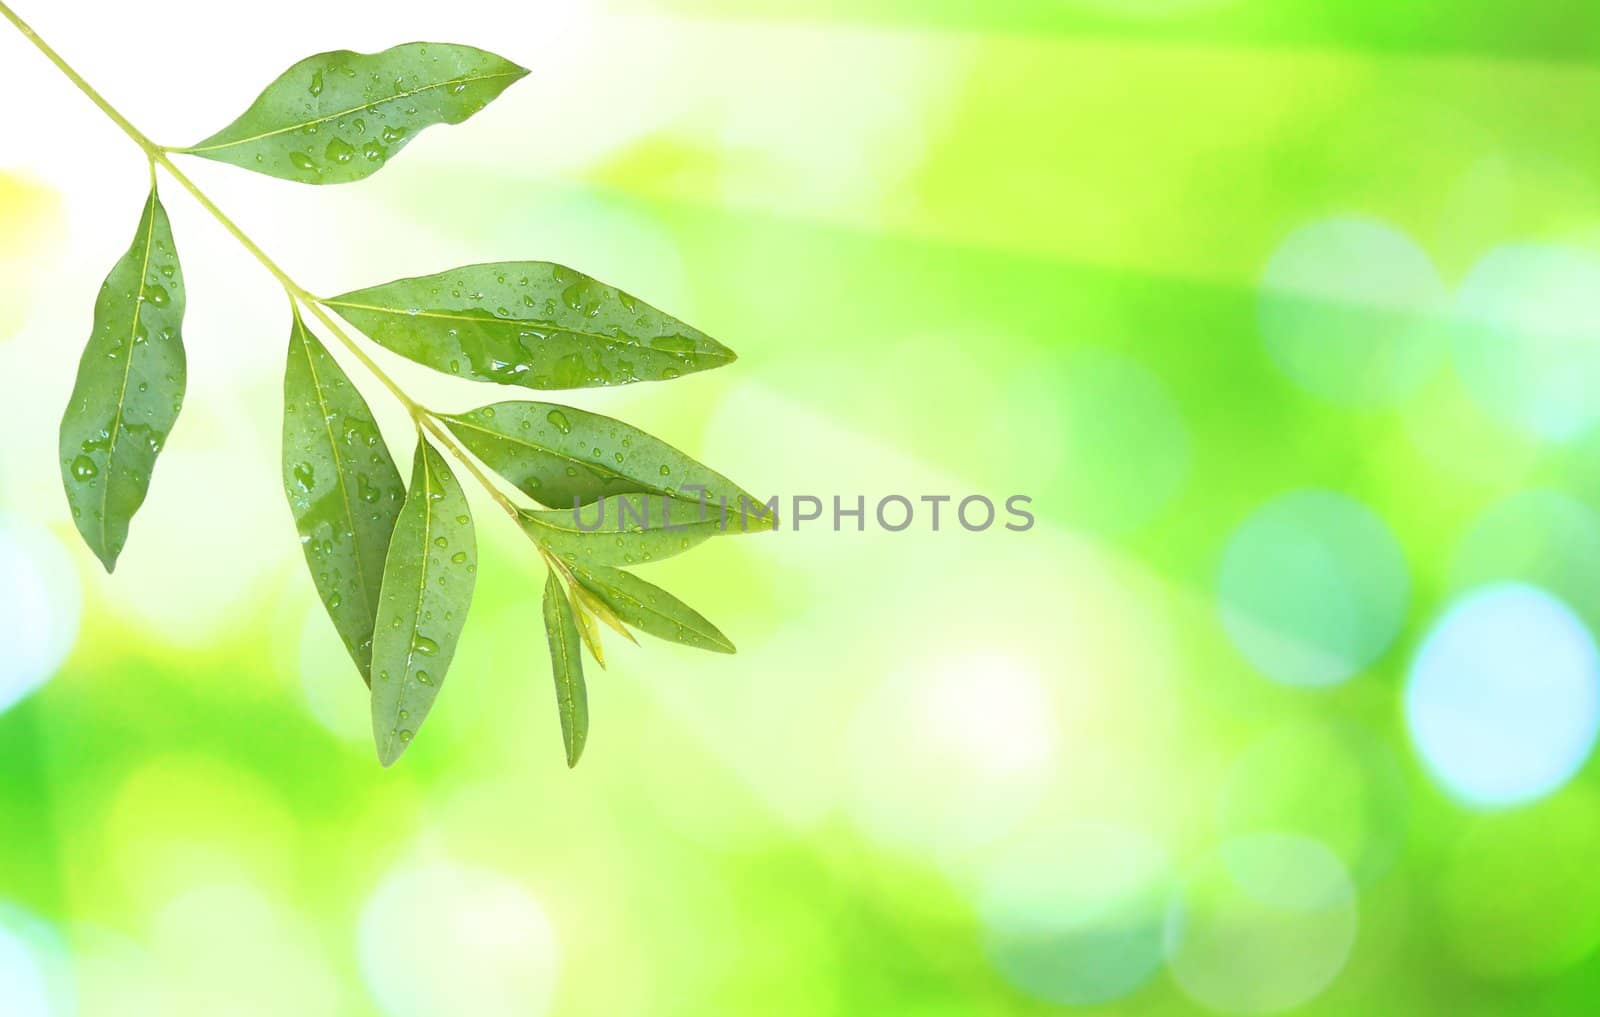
(1313, 588)
(438, 937)
(1543, 538)
(1527, 338)
(1354, 311)
(1503, 698)
(1263, 925)
(41, 600)
(979, 726)
(32, 962)
(211, 938)
(1074, 916)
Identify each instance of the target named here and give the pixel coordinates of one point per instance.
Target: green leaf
(626, 529)
(427, 589)
(529, 323)
(129, 389)
(560, 456)
(649, 608)
(340, 116)
(343, 488)
(566, 663)
(588, 628)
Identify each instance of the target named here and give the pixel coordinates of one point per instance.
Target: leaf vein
(595, 467)
(363, 108)
(724, 354)
(338, 460)
(127, 366)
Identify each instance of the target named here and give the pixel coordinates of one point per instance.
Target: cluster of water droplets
(541, 326)
(367, 125)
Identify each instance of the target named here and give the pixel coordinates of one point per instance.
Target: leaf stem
(157, 155)
(431, 423)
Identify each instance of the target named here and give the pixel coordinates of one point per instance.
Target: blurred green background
(1286, 314)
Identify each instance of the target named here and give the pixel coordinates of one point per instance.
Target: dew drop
(339, 152)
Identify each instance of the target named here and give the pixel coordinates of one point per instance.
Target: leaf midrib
(127, 371)
(422, 589)
(711, 637)
(363, 108)
(594, 467)
(558, 641)
(338, 461)
(726, 356)
(540, 519)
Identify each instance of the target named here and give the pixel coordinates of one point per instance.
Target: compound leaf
(343, 488)
(561, 456)
(649, 608)
(566, 664)
(427, 589)
(529, 323)
(338, 117)
(129, 388)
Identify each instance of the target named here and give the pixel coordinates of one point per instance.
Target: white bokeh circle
(41, 599)
(438, 937)
(1503, 697)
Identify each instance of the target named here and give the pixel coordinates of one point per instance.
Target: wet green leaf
(427, 588)
(588, 627)
(529, 323)
(340, 116)
(343, 488)
(566, 664)
(627, 529)
(585, 602)
(649, 608)
(557, 454)
(129, 390)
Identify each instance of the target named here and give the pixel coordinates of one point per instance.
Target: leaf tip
(107, 557)
(390, 749)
